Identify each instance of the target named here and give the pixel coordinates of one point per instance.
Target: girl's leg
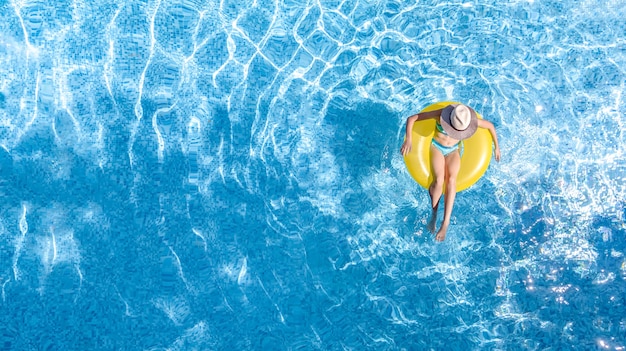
(435, 190)
(452, 166)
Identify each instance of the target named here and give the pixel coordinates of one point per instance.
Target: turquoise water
(203, 175)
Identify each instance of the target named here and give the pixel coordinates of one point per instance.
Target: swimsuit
(440, 129)
(445, 150)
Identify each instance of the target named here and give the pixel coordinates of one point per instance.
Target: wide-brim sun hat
(459, 121)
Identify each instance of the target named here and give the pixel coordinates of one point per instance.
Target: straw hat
(459, 121)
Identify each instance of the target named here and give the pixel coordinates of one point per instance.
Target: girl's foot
(432, 222)
(441, 234)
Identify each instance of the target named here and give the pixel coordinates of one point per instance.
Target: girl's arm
(489, 126)
(406, 146)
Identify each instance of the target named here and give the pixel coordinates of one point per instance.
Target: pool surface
(226, 175)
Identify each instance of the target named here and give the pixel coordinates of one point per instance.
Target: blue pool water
(226, 175)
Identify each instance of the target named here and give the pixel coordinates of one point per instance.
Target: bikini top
(440, 129)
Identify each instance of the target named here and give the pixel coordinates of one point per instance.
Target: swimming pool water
(226, 175)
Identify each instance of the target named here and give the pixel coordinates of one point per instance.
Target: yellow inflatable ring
(474, 159)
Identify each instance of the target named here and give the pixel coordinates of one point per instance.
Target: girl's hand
(406, 147)
(497, 154)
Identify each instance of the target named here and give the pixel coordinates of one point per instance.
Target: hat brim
(454, 133)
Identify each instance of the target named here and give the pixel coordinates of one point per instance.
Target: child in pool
(454, 123)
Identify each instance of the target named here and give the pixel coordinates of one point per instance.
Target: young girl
(454, 123)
